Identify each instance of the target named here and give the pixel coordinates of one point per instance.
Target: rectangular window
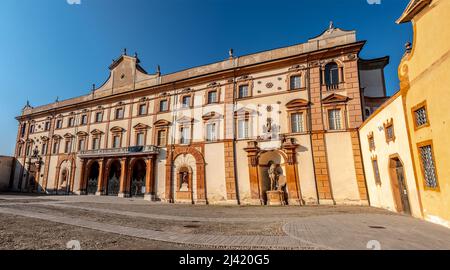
(243, 91)
(23, 129)
(243, 129)
(71, 122)
(185, 135)
(96, 143)
(140, 139)
(55, 148)
(389, 133)
(31, 129)
(44, 149)
(47, 126)
(98, 117)
(161, 139)
(212, 97)
(142, 109)
(428, 166)
(59, 124)
(19, 150)
(420, 116)
(371, 143)
(84, 119)
(163, 105)
(81, 144)
(186, 102)
(116, 141)
(334, 119)
(68, 147)
(119, 113)
(28, 150)
(297, 122)
(211, 132)
(295, 82)
(376, 171)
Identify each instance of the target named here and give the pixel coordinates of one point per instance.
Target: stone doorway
(399, 186)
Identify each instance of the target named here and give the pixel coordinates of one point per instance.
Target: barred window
(297, 125)
(390, 133)
(421, 117)
(334, 119)
(428, 165)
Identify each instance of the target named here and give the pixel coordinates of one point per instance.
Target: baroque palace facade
(209, 134)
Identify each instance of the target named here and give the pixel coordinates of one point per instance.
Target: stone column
(82, 184)
(149, 179)
(252, 154)
(100, 188)
(123, 179)
(293, 185)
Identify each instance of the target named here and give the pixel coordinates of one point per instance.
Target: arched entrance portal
(399, 187)
(92, 181)
(267, 160)
(113, 184)
(137, 186)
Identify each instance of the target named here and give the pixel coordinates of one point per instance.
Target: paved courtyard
(54, 222)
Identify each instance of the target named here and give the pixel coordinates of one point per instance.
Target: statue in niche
(184, 181)
(273, 176)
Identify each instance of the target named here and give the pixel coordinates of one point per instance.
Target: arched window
(332, 74)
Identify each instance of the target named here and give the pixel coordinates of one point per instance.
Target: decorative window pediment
(68, 136)
(57, 137)
(185, 119)
(117, 129)
(335, 98)
(141, 126)
(244, 112)
(82, 134)
(211, 115)
(297, 104)
(162, 123)
(45, 138)
(96, 132)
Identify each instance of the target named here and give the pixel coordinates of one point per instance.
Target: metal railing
(132, 150)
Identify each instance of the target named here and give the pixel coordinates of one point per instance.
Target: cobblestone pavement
(231, 227)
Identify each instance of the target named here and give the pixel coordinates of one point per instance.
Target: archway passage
(92, 181)
(137, 186)
(399, 187)
(113, 185)
(64, 181)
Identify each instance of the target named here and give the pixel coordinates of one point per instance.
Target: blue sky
(50, 48)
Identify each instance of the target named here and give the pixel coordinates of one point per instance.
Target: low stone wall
(6, 164)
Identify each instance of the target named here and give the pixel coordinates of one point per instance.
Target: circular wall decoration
(269, 85)
(269, 108)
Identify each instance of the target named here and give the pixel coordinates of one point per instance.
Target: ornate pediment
(162, 123)
(413, 8)
(140, 126)
(185, 119)
(45, 138)
(335, 98)
(244, 112)
(68, 136)
(57, 137)
(117, 129)
(297, 104)
(96, 132)
(82, 134)
(211, 115)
